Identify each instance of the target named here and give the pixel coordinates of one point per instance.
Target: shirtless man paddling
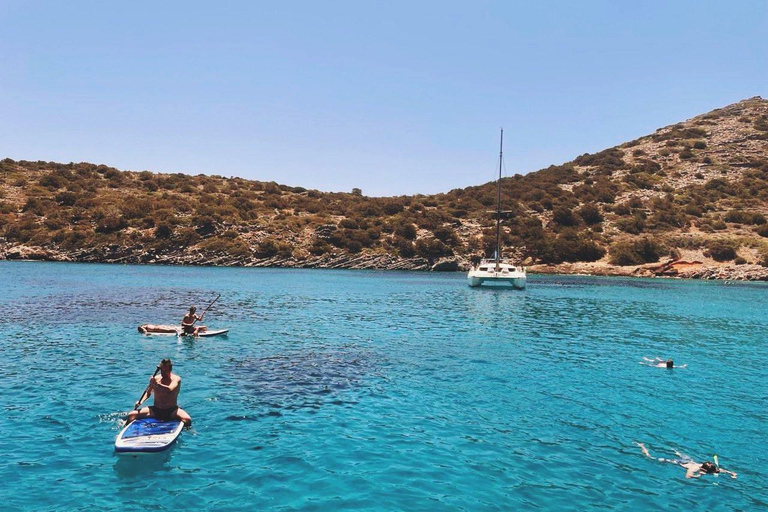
(188, 322)
(166, 387)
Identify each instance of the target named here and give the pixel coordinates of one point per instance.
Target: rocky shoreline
(669, 268)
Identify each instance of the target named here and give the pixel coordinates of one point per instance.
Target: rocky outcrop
(447, 265)
(670, 268)
(728, 273)
(31, 253)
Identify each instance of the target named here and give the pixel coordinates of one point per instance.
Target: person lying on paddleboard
(661, 363)
(159, 329)
(692, 468)
(166, 388)
(188, 322)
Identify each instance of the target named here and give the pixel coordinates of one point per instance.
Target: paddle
(144, 394)
(211, 304)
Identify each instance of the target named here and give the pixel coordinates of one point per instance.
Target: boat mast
(498, 203)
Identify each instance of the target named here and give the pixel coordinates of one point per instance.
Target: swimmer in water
(660, 363)
(693, 469)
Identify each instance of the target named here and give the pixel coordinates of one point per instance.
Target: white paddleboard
(208, 334)
(147, 435)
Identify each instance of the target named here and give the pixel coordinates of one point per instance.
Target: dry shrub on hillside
(636, 252)
(432, 248)
(590, 214)
(219, 246)
(721, 250)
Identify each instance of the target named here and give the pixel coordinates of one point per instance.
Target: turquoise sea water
(362, 390)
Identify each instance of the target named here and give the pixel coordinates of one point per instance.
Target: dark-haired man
(188, 323)
(166, 388)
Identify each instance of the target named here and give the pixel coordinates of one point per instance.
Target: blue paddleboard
(147, 435)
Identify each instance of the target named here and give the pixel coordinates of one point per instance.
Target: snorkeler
(661, 363)
(692, 468)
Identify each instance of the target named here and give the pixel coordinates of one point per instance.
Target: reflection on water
(131, 467)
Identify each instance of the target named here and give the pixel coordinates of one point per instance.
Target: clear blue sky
(392, 97)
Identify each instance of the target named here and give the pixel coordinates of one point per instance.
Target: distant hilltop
(690, 200)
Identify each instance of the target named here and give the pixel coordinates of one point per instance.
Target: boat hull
(503, 273)
(491, 280)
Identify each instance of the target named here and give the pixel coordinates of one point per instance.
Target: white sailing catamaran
(497, 270)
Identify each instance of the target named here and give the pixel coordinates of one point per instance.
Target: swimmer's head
(709, 467)
(670, 363)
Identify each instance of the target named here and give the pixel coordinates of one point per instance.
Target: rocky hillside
(689, 200)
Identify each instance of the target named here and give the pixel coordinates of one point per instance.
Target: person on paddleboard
(166, 388)
(188, 322)
(693, 469)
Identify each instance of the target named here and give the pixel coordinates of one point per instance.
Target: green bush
(187, 237)
(392, 207)
(405, 247)
(633, 225)
(51, 182)
(407, 231)
(66, 198)
(763, 257)
(641, 180)
(111, 224)
(447, 235)
(738, 217)
(591, 215)
(608, 160)
(693, 209)
(348, 224)
(564, 216)
(354, 246)
(319, 247)
(164, 230)
(432, 248)
(216, 246)
(721, 250)
(636, 252)
(573, 246)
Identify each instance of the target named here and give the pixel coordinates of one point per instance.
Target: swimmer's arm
(732, 473)
(644, 449)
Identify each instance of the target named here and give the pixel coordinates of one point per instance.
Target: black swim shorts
(163, 414)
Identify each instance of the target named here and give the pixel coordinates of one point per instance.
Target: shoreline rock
(675, 269)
